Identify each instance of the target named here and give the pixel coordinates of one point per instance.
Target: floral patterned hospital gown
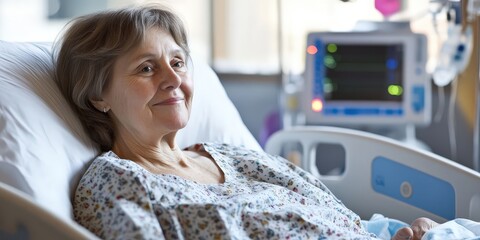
(263, 197)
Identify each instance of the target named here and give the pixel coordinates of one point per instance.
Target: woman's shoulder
(109, 168)
(109, 161)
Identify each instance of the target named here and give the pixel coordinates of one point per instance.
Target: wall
(254, 96)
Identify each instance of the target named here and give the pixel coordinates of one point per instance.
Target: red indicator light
(317, 105)
(312, 49)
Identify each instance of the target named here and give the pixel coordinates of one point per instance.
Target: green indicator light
(395, 90)
(331, 48)
(329, 61)
(327, 86)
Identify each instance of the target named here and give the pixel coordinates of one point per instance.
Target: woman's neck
(165, 158)
(163, 153)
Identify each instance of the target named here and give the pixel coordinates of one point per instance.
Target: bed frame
(384, 176)
(23, 218)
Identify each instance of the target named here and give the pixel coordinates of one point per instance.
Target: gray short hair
(88, 50)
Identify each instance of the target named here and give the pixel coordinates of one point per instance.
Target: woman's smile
(170, 101)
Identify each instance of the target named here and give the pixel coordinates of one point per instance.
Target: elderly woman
(128, 75)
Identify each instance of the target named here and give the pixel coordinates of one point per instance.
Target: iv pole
(476, 132)
(473, 17)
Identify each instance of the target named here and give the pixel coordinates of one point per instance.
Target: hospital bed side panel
(365, 153)
(22, 218)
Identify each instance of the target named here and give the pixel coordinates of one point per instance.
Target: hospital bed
(44, 150)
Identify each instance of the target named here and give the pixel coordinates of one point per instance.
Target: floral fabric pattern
(263, 197)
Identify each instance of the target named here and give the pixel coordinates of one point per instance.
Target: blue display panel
(413, 187)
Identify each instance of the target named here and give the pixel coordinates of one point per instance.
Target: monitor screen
(362, 72)
(367, 78)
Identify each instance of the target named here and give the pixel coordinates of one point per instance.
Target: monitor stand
(411, 139)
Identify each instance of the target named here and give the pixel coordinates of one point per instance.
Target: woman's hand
(416, 230)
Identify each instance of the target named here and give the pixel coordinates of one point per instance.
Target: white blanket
(456, 229)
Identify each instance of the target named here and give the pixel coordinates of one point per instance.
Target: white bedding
(456, 229)
(459, 228)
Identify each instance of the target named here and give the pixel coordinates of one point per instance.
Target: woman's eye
(179, 64)
(147, 69)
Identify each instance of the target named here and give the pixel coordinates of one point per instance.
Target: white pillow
(42, 144)
(44, 149)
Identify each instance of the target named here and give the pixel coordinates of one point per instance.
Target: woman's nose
(170, 79)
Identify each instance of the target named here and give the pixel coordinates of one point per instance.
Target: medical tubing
(451, 120)
(441, 104)
(441, 91)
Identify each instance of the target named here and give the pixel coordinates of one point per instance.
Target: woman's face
(150, 93)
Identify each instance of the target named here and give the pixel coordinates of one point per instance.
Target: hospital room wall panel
(255, 96)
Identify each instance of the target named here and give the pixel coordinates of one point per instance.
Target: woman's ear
(100, 105)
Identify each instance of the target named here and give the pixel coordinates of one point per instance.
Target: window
(235, 36)
(42, 20)
(251, 36)
(245, 36)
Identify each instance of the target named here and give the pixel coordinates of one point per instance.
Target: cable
(441, 104)
(451, 120)
(441, 91)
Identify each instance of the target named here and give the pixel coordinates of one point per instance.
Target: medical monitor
(364, 78)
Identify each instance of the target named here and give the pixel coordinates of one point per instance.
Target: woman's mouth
(171, 101)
